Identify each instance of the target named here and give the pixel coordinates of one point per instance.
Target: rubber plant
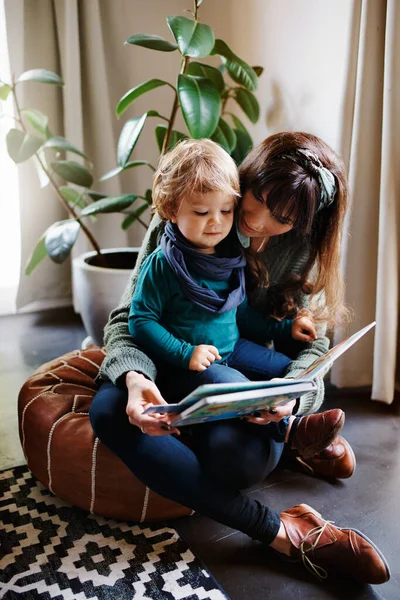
(202, 92)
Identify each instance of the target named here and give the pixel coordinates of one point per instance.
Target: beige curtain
(30, 48)
(84, 42)
(371, 251)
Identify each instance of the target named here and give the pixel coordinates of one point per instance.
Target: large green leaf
(134, 216)
(72, 196)
(137, 91)
(22, 146)
(225, 136)
(176, 136)
(73, 172)
(248, 103)
(61, 143)
(237, 68)
(193, 38)
(38, 254)
(154, 42)
(4, 91)
(129, 165)
(238, 123)
(129, 136)
(200, 104)
(60, 238)
(95, 196)
(244, 144)
(41, 76)
(111, 173)
(111, 204)
(201, 70)
(37, 119)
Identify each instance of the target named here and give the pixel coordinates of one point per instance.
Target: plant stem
(70, 211)
(73, 214)
(225, 100)
(142, 222)
(175, 105)
(174, 110)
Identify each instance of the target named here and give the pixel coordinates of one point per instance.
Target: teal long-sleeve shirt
(169, 326)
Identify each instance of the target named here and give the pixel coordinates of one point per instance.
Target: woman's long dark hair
(294, 192)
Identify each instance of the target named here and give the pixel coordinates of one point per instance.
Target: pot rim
(80, 261)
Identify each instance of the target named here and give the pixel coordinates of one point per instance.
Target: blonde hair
(192, 166)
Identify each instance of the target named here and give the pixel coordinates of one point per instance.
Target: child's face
(205, 219)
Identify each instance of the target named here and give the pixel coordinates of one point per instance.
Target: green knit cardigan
(283, 255)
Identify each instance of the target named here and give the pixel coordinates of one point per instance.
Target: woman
(294, 198)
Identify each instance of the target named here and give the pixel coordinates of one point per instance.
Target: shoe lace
(305, 549)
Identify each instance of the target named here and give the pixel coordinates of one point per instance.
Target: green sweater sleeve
(312, 401)
(152, 292)
(122, 353)
(258, 328)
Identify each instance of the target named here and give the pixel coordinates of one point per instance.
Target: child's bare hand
(202, 357)
(303, 329)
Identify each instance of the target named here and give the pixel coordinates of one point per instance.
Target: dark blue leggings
(227, 456)
(248, 361)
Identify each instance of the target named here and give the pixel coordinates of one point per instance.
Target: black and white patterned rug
(53, 551)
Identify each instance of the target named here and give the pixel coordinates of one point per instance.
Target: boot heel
(311, 509)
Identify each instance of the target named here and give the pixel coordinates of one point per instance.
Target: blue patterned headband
(310, 161)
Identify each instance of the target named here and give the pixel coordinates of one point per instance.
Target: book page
(236, 404)
(326, 360)
(212, 389)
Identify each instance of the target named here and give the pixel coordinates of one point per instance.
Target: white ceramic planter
(97, 290)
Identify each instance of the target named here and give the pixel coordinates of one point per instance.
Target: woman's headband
(310, 161)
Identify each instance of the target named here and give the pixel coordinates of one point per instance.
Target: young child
(189, 308)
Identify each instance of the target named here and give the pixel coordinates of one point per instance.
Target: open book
(229, 400)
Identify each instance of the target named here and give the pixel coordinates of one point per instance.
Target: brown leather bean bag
(63, 453)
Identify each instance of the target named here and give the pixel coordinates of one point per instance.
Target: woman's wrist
(133, 377)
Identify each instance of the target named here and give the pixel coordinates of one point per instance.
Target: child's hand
(303, 329)
(202, 357)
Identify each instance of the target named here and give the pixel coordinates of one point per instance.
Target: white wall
(306, 48)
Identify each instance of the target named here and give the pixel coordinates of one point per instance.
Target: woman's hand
(202, 357)
(273, 415)
(303, 329)
(143, 393)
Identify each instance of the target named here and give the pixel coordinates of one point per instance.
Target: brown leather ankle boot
(337, 461)
(324, 548)
(315, 432)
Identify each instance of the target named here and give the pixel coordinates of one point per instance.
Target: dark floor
(368, 501)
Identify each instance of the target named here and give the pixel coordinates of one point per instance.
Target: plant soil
(114, 260)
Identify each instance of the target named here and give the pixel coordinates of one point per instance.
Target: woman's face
(256, 221)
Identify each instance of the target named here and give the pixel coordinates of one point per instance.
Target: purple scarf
(183, 257)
